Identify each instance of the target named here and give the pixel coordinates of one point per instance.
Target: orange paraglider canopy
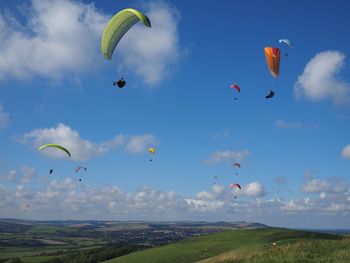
(272, 55)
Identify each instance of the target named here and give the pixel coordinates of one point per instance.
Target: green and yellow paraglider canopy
(117, 27)
(55, 146)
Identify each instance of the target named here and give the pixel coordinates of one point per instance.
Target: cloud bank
(82, 149)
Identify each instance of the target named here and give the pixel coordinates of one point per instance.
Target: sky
(56, 87)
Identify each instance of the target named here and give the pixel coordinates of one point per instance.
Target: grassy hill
(235, 246)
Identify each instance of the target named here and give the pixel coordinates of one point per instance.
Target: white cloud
(293, 125)
(346, 152)
(221, 135)
(296, 205)
(4, 117)
(59, 36)
(309, 175)
(139, 143)
(82, 149)
(10, 175)
(217, 191)
(320, 79)
(254, 189)
(152, 53)
(279, 179)
(67, 199)
(287, 125)
(332, 185)
(337, 208)
(227, 156)
(28, 174)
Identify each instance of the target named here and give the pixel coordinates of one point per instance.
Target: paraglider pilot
(120, 83)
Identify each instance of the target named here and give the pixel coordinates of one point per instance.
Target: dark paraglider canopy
(236, 165)
(270, 95)
(51, 171)
(120, 83)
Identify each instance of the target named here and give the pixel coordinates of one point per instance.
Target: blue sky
(56, 87)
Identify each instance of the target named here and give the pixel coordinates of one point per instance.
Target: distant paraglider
(214, 178)
(152, 151)
(270, 95)
(120, 83)
(54, 146)
(78, 169)
(236, 87)
(51, 171)
(26, 207)
(286, 42)
(238, 165)
(234, 186)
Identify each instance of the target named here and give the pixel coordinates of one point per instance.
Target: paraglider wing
(235, 185)
(234, 86)
(152, 150)
(237, 165)
(117, 27)
(272, 55)
(270, 95)
(55, 146)
(287, 42)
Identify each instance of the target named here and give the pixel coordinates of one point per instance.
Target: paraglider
(114, 31)
(54, 146)
(270, 95)
(233, 186)
(286, 41)
(78, 169)
(26, 207)
(51, 171)
(235, 86)
(272, 55)
(214, 178)
(120, 83)
(152, 151)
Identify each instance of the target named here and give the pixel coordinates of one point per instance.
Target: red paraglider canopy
(233, 185)
(234, 86)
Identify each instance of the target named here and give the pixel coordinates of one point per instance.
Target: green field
(228, 246)
(255, 245)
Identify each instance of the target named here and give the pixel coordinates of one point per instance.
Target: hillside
(228, 246)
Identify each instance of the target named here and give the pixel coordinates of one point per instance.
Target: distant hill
(12, 225)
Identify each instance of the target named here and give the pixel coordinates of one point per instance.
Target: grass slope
(239, 245)
(307, 251)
